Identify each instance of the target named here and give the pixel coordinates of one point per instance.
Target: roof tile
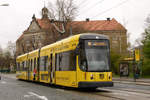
(44, 23)
(99, 25)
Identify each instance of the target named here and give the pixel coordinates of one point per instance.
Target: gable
(34, 27)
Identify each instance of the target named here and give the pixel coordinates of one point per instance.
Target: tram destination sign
(96, 43)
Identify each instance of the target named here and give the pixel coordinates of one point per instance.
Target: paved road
(12, 89)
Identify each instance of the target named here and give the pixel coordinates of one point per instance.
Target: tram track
(137, 91)
(134, 83)
(108, 96)
(98, 93)
(113, 93)
(127, 92)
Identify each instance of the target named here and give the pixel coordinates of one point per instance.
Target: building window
(27, 43)
(115, 38)
(115, 44)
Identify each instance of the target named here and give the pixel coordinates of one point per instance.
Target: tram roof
(68, 39)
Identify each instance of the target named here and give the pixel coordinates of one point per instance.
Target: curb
(135, 83)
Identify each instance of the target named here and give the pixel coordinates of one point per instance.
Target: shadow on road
(84, 90)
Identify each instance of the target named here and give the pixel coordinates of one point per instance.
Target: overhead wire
(82, 2)
(93, 6)
(117, 5)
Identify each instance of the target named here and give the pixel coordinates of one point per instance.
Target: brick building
(110, 27)
(34, 36)
(42, 32)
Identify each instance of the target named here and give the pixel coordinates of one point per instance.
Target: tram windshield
(95, 56)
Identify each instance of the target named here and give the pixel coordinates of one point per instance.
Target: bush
(115, 60)
(146, 67)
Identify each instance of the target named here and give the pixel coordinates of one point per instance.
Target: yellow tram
(78, 61)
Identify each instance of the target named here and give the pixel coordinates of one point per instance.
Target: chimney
(33, 17)
(87, 19)
(108, 19)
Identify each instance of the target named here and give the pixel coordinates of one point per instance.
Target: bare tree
(10, 55)
(11, 47)
(1, 51)
(138, 41)
(63, 12)
(146, 34)
(147, 21)
(128, 40)
(125, 23)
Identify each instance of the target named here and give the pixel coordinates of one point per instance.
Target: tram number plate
(101, 76)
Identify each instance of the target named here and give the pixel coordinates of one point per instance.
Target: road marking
(120, 94)
(34, 94)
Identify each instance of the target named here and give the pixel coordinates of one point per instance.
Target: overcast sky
(16, 18)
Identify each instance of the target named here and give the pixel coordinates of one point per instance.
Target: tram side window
(28, 64)
(34, 63)
(42, 63)
(18, 66)
(58, 61)
(23, 66)
(38, 63)
(66, 61)
(46, 63)
(31, 65)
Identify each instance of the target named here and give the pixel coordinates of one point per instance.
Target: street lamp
(6, 4)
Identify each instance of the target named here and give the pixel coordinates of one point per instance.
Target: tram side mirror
(77, 51)
(84, 65)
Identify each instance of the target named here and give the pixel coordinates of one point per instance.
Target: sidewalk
(125, 80)
(13, 76)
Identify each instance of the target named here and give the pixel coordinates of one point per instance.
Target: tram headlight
(92, 77)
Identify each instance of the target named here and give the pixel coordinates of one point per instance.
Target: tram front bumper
(94, 84)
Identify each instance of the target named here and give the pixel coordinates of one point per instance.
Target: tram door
(53, 69)
(28, 70)
(38, 68)
(50, 68)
